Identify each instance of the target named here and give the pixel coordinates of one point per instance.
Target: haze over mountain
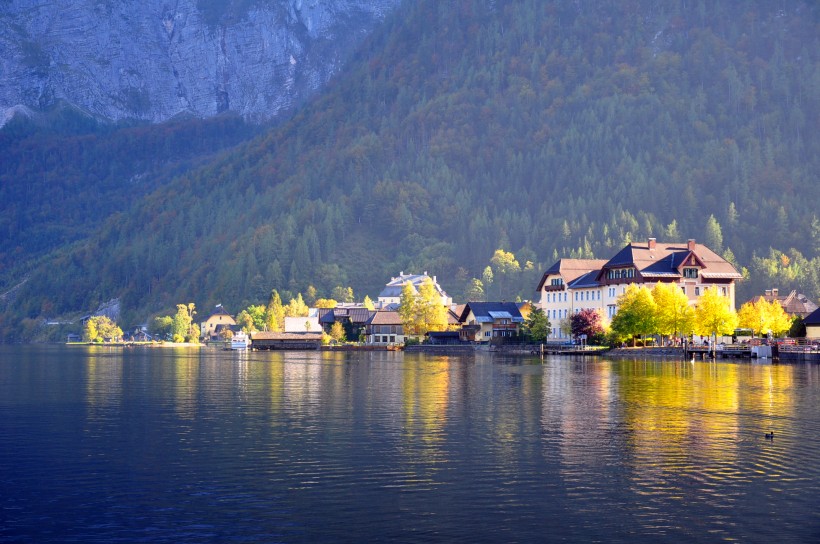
(544, 128)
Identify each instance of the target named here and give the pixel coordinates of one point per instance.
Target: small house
(218, 317)
(353, 318)
(486, 321)
(812, 323)
(385, 328)
(794, 304)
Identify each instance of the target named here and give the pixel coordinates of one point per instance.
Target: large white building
(390, 297)
(572, 285)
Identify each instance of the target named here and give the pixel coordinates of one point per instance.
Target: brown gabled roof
(793, 303)
(571, 269)
(665, 260)
(386, 317)
(453, 316)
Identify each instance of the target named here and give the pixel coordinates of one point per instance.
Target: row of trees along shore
(665, 310)
(662, 310)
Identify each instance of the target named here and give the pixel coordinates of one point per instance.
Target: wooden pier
(586, 351)
(698, 352)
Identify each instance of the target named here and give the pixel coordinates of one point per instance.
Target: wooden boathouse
(286, 340)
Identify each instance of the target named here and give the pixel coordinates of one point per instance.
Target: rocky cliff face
(154, 59)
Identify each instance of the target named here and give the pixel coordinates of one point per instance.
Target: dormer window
(690, 272)
(620, 273)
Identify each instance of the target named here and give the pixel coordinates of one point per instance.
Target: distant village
(594, 289)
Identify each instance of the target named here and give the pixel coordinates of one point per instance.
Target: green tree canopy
(184, 329)
(475, 291)
(162, 327)
(537, 325)
(99, 328)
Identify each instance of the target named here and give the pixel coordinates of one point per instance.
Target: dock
(583, 351)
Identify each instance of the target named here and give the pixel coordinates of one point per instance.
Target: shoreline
(136, 344)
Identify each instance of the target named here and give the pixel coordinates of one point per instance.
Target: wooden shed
(286, 340)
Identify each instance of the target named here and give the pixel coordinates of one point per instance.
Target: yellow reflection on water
(184, 382)
(425, 390)
(698, 418)
(103, 386)
(302, 380)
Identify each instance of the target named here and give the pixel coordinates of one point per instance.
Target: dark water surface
(164, 445)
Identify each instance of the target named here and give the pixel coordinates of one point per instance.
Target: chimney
(652, 243)
(768, 292)
(690, 244)
(775, 291)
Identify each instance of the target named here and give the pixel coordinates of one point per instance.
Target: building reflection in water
(676, 426)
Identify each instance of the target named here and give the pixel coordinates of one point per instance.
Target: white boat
(240, 341)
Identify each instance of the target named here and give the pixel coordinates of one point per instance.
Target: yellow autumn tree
(636, 313)
(714, 314)
(673, 313)
(408, 309)
(422, 311)
(432, 313)
(762, 316)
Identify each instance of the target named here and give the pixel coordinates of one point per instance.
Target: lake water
(164, 445)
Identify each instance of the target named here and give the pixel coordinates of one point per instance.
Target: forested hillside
(544, 128)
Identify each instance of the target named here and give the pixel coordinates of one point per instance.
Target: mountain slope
(545, 128)
(152, 60)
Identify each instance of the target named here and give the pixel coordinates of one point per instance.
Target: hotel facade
(572, 285)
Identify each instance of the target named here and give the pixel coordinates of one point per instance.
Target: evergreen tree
(475, 291)
(537, 325)
(310, 295)
(714, 235)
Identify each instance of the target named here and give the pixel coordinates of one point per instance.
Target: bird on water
(770, 436)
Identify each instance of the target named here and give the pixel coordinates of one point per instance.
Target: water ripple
(163, 446)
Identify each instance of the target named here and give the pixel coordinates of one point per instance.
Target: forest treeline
(541, 127)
